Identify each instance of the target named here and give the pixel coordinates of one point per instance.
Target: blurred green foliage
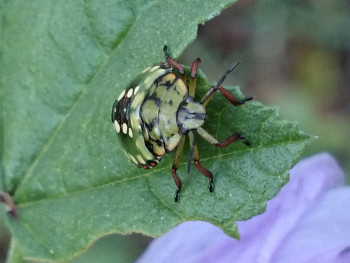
(293, 54)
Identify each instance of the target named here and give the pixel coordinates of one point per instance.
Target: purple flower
(308, 221)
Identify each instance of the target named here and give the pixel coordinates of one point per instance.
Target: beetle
(157, 109)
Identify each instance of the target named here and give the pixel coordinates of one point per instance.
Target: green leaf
(14, 254)
(63, 64)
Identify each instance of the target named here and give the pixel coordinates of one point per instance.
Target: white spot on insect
(154, 68)
(136, 89)
(143, 71)
(121, 95)
(130, 92)
(116, 127)
(140, 159)
(131, 134)
(125, 128)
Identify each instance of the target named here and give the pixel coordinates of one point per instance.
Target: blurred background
(293, 54)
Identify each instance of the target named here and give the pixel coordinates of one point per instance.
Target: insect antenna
(221, 80)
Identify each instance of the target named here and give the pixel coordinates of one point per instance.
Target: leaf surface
(63, 64)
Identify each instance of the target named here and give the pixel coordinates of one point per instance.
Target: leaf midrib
(148, 173)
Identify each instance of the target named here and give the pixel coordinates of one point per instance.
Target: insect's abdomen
(159, 113)
(127, 120)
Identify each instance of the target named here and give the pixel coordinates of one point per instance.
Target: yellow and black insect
(152, 115)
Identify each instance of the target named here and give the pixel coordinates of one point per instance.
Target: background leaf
(63, 65)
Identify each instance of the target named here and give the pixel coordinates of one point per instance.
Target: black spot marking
(171, 102)
(154, 121)
(159, 79)
(148, 126)
(168, 84)
(200, 116)
(158, 101)
(149, 146)
(194, 115)
(153, 97)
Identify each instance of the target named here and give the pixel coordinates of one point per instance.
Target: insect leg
(207, 97)
(175, 167)
(197, 164)
(173, 63)
(193, 79)
(209, 138)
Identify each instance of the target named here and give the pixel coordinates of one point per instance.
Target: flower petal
(322, 234)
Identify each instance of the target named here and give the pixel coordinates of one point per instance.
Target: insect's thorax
(167, 112)
(190, 115)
